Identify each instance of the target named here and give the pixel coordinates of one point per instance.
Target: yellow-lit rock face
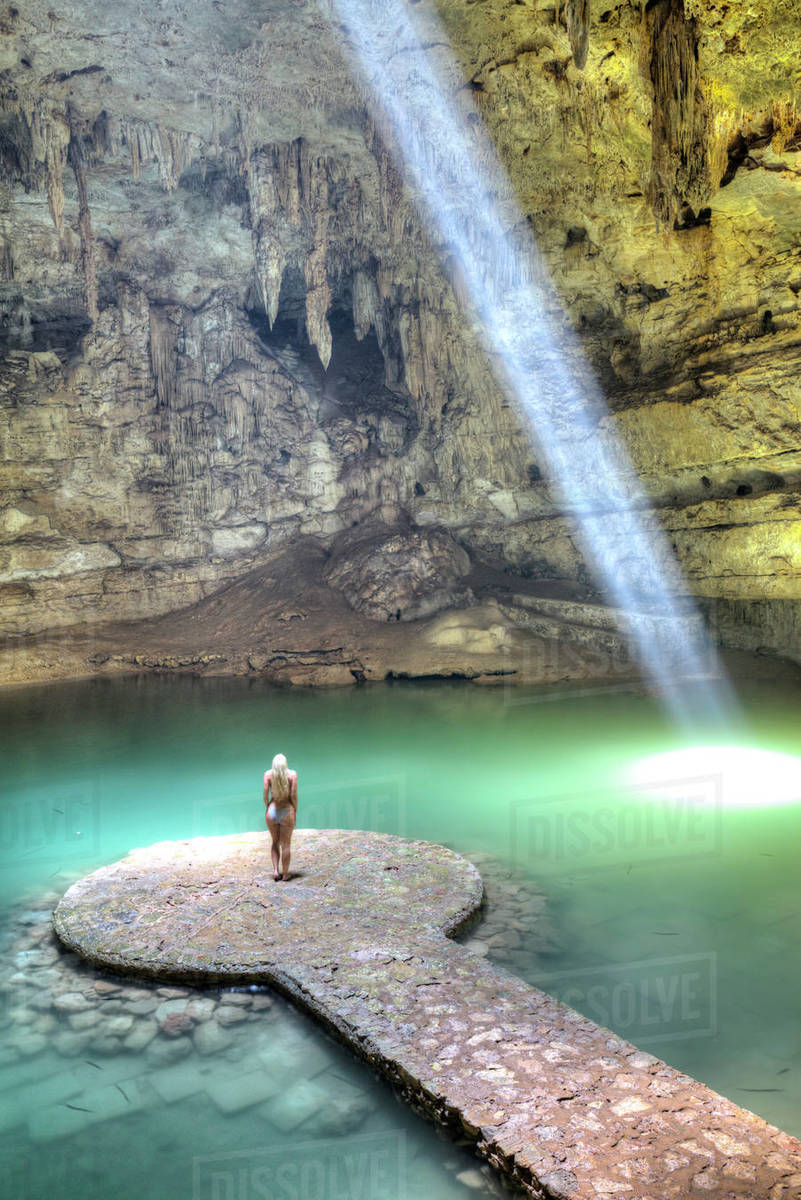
(232, 178)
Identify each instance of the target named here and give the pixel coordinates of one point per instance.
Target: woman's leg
(275, 834)
(287, 826)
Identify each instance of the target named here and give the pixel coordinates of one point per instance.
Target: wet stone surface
(358, 937)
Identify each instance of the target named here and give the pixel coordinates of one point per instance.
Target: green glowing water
(677, 924)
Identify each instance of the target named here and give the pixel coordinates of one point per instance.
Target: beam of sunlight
(730, 776)
(424, 115)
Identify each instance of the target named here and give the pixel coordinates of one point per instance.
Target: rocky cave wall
(225, 326)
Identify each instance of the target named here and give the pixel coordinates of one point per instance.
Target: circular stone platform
(208, 910)
(358, 937)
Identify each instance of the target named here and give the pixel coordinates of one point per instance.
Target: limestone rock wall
(225, 326)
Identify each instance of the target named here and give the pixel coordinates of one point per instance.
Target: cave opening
(355, 379)
(36, 329)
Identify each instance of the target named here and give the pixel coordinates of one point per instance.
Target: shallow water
(673, 921)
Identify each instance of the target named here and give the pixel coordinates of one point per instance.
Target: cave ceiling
(615, 123)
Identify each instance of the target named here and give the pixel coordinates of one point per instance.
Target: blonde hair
(281, 778)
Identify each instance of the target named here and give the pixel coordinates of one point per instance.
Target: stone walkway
(358, 937)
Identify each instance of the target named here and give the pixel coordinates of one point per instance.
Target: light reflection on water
(681, 934)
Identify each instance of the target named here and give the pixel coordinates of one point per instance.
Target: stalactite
(171, 150)
(6, 260)
(78, 165)
(136, 161)
(57, 141)
(365, 304)
(270, 263)
(268, 246)
(318, 301)
(318, 290)
(50, 136)
(577, 20)
(171, 155)
(680, 174)
(786, 123)
(163, 335)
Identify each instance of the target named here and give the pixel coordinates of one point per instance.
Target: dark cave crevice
(354, 381)
(60, 329)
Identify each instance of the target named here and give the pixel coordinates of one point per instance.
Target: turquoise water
(675, 918)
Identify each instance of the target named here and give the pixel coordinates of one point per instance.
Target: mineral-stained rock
(168, 1008)
(176, 1024)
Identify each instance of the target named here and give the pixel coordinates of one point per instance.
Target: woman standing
(281, 804)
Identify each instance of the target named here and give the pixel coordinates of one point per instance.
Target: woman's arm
(293, 791)
(267, 779)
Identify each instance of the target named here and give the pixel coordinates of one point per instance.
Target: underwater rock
(105, 1045)
(247, 1090)
(210, 1038)
(29, 1044)
(117, 1026)
(229, 1015)
(176, 1024)
(261, 1003)
(295, 1105)
(71, 1002)
(21, 1016)
(344, 1111)
(167, 1050)
(56, 1122)
(104, 988)
(84, 1020)
(171, 1008)
(200, 1008)
(142, 1007)
(473, 1179)
(141, 1036)
(70, 1043)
